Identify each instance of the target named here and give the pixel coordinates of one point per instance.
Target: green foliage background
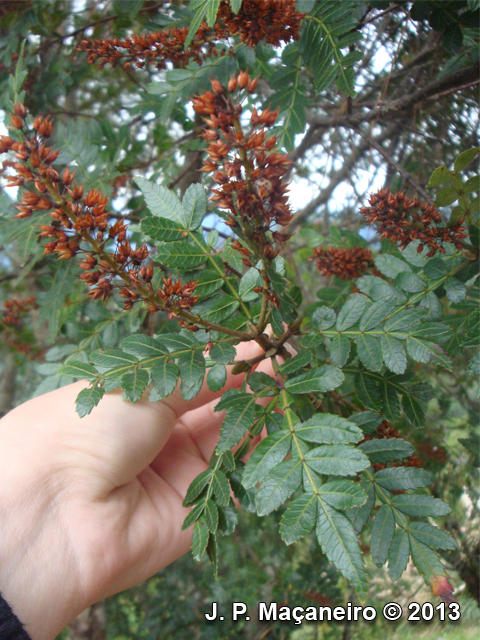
(372, 94)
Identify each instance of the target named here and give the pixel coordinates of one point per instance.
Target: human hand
(93, 506)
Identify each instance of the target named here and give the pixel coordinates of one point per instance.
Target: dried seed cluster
(346, 264)
(81, 224)
(404, 219)
(274, 21)
(15, 309)
(178, 295)
(249, 174)
(13, 333)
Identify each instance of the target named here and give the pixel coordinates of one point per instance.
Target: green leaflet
(112, 358)
(455, 290)
(473, 368)
(391, 266)
(423, 351)
(222, 353)
(164, 379)
(217, 308)
(134, 384)
(299, 518)
(162, 202)
(278, 485)
(194, 515)
(336, 459)
(22, 232)
(399, 554)
(197, 486)
(368, 421)
(339, 349)
(368, 350)
(216, 377)
(290, 98)
(220, 487)
(393, 353)
(410, 282)
(383, 450)
(382, 535)
(240, 408)
(328, 29)
(209, 281)
(267, 455)
(323, 318)
(204, 10)
(211, 515)
(431, 536)
(378, 289)
(227, 520)
(212, 552)
(342, 494)
(391, 404)
(54, 299)
(194, 206)
(200, 538)
(182, 255)
(250, 279)
(162, 229)
(351, 311)
(413, 410)
(404, 320)
(367, 391)
(360, 515)
(375, 314)
(192, 370)
(142, 346)
(403, 478)
(87, 399)
(324, 428)
(77, 369)
(420, 505)
(425, 559)
(297, 362)
(235, 5)
(339, 542)
(324, 378)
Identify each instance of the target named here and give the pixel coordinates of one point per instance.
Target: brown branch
(337, 177)
(453, 82)
(397, 166)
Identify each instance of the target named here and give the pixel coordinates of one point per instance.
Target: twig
(398, 167)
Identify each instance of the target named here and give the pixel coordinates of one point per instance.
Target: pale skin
(90, 507)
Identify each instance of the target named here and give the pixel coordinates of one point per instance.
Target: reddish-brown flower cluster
(437, 454)
(274, 21)
(157, 47)
(15, 309)
(82, 219)
(343, 263)
(249, 173)
(404, 219)
(176, 295)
